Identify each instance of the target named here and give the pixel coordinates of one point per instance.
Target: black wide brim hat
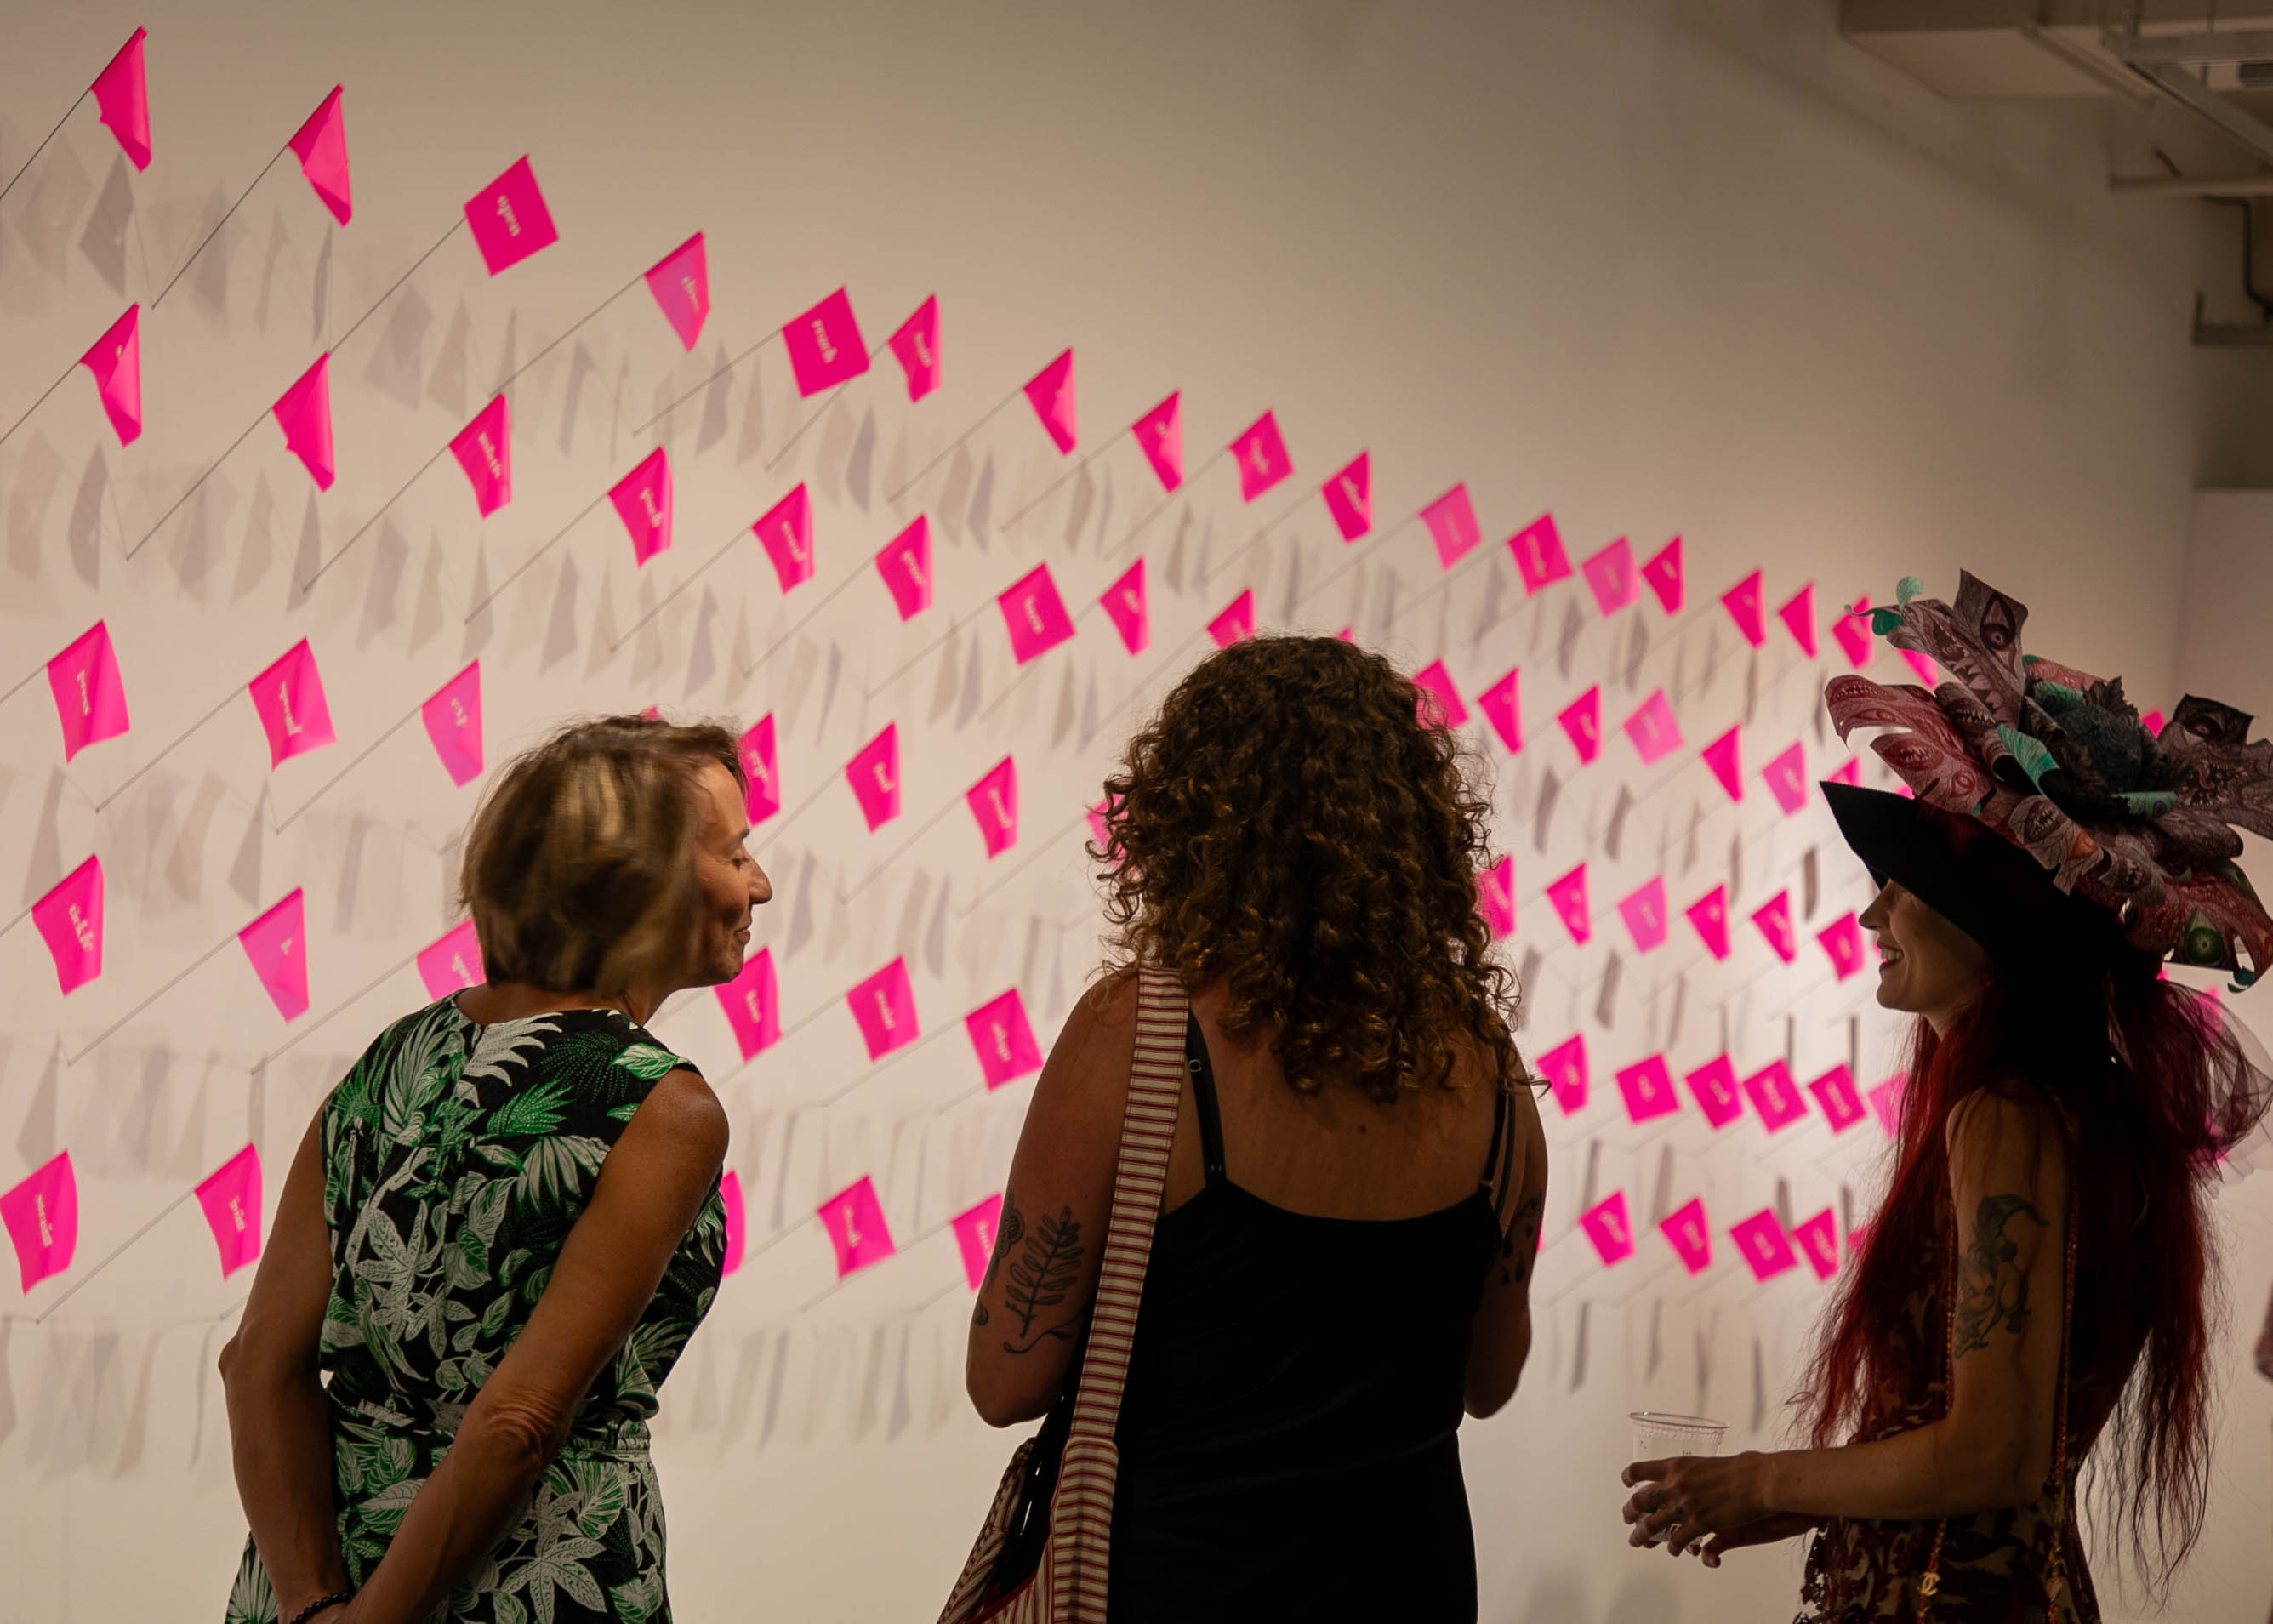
(1974, 878)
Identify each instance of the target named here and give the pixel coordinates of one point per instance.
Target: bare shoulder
(681, 1116)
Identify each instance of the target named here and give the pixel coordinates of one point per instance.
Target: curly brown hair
(1288, 823)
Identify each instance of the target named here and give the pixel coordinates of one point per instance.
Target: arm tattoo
(1518, 1248)
(1991, 1290)
(1046, 1271)
(1006, 1236)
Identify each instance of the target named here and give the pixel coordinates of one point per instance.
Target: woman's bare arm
(650, 1188)
(1050, 1247)
(2009, 1180)
(279, 1432)
(1499, 1337)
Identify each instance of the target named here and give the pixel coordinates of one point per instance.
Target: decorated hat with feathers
(2059, 762)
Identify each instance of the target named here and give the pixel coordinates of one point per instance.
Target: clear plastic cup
(1659, 1436)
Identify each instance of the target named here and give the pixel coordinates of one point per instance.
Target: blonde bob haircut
(579, 866)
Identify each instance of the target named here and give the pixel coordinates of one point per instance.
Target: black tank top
(1288, 1437)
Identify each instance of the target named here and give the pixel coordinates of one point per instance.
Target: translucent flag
(785, 531)
(1709, 914)
(1161, 434)
(1564, 1068)
(1774, 920)
(1646, 1088)
(1610, 575)
(304, 413)
(916, 345)
(321, 146)
(994, 801)
(1440, 704)
(1569, 896)
(1723, 756)
(906, 565)
(484, 448)
(975, 1230)
(1582, 721)
(1503, 707)
(1262, 457)
(1743, 603)
(509, 219)
(681, 283)
(874, 775)
(277, 946)
(884, 1008)
(1349, 497)
(1652, 727)
(451, 961)
(761, 771)
(1762, 1243)
(1538, 551)
(1034, 614)
(1786, 776)
(1663, 573)
(1003, 1040)
(1451, 522)
(1838, 1099)
(825, 346)
(1495, 895)
(90, 698)
(115, 360)
(1606, 1225)
(752, 1005)
(643, 501)
(453, 722)
(290, 696)
(1714, 1087)
(1236, 622)
(1050, 393)
(1124, 604)
(1775, 1098)
(69, 920)
(854, 1219)
(121, 99)
(42, 1214)
(1643, 909)
(230, 1197)
(1688, 1232)
(1798, 617)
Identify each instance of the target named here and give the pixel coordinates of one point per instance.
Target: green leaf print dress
(457, 1158)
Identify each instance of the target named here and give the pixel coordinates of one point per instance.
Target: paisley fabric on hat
(2058, 761)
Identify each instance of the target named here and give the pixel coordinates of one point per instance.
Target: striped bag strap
(1081, 1520)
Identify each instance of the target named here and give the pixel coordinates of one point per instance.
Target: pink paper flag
(1262, 457)
(42, 1212)
(1569, 896)
(1654, 732)
(1836, 1096)
(1723, 756)
(230, 1197)
(1349, 496)
(915, 344)
(115, 360)
(1098, 831)
(1798, 617)
(1034, 614)
(1762, 1243)
(1161, 432)
(70, 921)
(906, 565)
(121, 99)
(1124, 604)
(824, 345)
(1644, 911)
(1440, 705)
(1714, 1087)
(1690, 1234)
(785, 531)
(1610, 576)
(1886, 1102)
(1605, 1225)
(304, 413)
(1003, 1040)
(761, 771)
(643, 501)
(1773, 918)
(1852, 629)
(321, 147)
(1495, 895)
(855, 1220)
(453, 722)
(1818, 1243)
(884, 1007)
(752, 1005)
(1743, 603)
(1502, 705)
(1848, 772)
(1236, 621)
(681, 283)
(1709, 914)
(450, 961)
(1539, 555)
(1451, 522)
(484, 448)
(277, 944)
(1050, 393)
(875, 776)
(730, 1197)
(509, 219)
(1841, 941)
(1775, 1098)
(1787, 779)
(994, 801)
(290, 696)
(1930, 675)
(974, 1236)
(90, 699)
(1647, 1088)
(1662, 571)
(1582, 720)
(1564, 1068)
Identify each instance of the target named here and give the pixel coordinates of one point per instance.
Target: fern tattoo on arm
(1047, 1267)
(1991, 1288)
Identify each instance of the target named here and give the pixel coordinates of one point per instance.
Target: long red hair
(2149, 1090)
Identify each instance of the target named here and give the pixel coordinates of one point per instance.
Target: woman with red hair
(2038, 1283)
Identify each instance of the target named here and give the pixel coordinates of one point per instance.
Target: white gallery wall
(1660, 269)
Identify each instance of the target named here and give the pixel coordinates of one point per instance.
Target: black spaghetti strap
(1202, 1075)
(1499, 1161)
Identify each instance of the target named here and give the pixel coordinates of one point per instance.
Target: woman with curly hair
(1342, 1257)
(2038, 1287)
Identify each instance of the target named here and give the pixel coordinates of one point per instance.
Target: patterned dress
(456, 1158)
(1996, 1565)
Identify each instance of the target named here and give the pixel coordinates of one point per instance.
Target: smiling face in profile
(1926, 964)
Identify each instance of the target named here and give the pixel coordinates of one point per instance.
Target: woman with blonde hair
(1341, 1261)
(503, 1225)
